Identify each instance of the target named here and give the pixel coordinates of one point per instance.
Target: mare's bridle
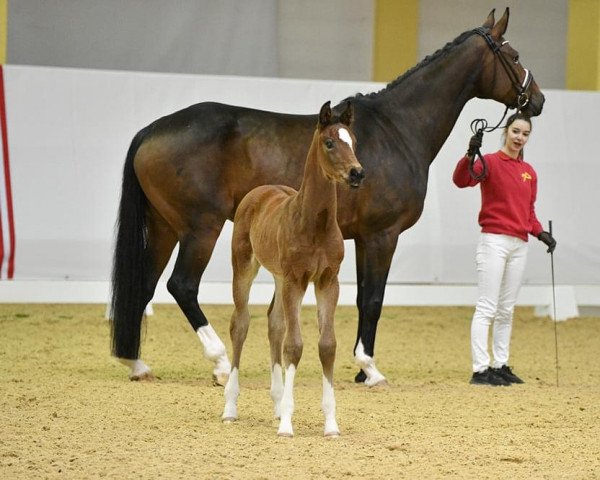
(479, 125)
(520, 87)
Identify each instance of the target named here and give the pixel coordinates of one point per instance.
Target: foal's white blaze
(367, 364)
(214, 350)
(287, 404)
(232, 392)
(345, 137)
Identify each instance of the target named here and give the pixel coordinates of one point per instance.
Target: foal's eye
(329, 143)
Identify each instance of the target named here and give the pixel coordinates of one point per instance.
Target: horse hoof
(333, 434)
(228, 420)
(285, 434)
(380, 384)
(360, 377)
(143, 377)
(220, 380)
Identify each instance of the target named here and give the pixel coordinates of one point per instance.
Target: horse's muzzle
(536, 105)
(356, 177)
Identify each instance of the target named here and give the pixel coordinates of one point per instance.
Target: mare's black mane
(426, 61)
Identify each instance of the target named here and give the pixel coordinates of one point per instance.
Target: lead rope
(478, 127)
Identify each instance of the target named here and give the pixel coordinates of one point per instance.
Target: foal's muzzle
(356, 177)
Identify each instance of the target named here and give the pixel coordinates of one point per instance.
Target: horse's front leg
(194, 254)
(276, 336)
(373, 260)
(292, 294)
(327, 294)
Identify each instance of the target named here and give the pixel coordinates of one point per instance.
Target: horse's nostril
(356, 176)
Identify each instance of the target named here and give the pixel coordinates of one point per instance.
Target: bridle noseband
(520, 87)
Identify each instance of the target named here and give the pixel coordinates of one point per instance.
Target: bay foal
(294, 235)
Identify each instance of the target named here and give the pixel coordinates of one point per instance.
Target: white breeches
(501, 261)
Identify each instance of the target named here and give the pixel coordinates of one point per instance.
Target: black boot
(506, 373)
(488, 377)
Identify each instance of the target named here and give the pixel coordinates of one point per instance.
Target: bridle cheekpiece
(520, 87)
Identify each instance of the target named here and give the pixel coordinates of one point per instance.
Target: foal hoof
(220, 380)
(285, 434)
(143, 377)
(333, 434)
(228, 420)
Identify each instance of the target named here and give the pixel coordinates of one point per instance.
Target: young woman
(508, 191)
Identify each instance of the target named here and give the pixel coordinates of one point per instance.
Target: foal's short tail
(129, 264)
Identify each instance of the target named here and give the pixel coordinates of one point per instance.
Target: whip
(554, 303)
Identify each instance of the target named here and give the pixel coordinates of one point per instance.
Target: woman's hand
(548, 239)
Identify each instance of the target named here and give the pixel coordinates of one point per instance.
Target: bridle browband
(520, 87)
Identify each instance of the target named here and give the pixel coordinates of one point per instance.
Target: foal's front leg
(327, 298)
(276, 335)
(292, 352)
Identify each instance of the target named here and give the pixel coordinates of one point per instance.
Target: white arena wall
(69, 130)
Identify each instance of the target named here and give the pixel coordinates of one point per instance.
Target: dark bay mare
(186, 173)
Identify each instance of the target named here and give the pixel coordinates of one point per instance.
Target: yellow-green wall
(3, 30)
(396, 38)
(583, 45)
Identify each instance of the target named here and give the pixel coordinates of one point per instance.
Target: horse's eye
(516, 59)
(329, 143)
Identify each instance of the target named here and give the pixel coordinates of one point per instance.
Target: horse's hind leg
(276, 335)
(161, 241)
(327, 294)
(195, 250)
(245, 268)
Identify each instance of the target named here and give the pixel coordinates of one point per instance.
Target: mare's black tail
(129, 264)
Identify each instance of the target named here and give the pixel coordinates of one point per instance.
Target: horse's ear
(325, 115)
(348, 115)
(489, 22)
(499, 29)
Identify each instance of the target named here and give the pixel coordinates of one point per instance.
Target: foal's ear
(499, 29)
(348, 115)
(325, 115)
(489, 22)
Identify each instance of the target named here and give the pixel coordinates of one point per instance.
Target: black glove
(548, 240)
(475, 143)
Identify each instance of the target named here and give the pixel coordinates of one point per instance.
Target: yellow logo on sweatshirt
(525, 176)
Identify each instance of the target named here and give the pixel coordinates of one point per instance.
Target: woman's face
(517, 135)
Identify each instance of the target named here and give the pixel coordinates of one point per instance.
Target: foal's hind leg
(245, 268)
(327, 294)
(195, 249)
